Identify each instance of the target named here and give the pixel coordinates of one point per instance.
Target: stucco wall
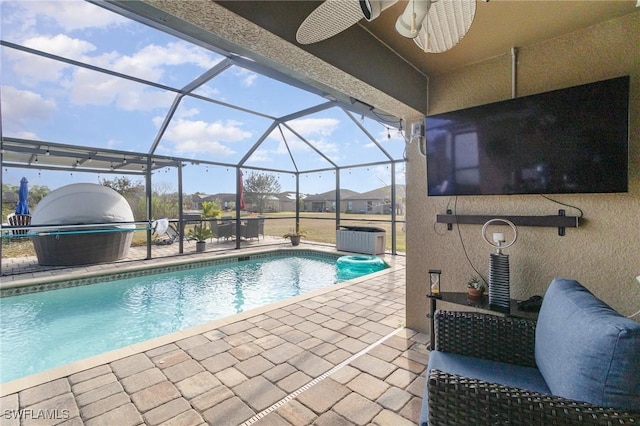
(604, 253)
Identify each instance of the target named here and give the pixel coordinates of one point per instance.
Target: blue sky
(47, 100)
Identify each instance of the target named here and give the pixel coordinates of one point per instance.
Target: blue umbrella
(23, 193)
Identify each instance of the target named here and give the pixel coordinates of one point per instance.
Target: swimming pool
(50, 328)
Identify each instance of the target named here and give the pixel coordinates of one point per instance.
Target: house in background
(377, 201)
(326, 202)
(226, 200)
(287, 201)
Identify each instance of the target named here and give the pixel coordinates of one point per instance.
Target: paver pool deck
(337, 356)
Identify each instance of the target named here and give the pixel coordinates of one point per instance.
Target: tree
(258, 186)
(37, 193)
(211, 209)
(164, 201)
(132, 191)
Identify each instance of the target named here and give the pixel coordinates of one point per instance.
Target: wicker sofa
(579, 363)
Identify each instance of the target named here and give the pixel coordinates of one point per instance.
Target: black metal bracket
(561, 221)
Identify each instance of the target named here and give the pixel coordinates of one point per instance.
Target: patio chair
(19, 220)
(222, 229)
(250, 229)
(260, 226)
(172, 235)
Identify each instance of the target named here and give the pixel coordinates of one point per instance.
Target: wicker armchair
(457, 400)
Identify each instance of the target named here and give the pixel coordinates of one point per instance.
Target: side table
(481, 303)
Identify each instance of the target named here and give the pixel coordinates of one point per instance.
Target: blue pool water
(42, 330)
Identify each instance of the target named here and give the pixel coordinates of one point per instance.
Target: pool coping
(51, 374)
(152, 266)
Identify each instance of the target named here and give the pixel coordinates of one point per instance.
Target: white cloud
(32, 70)
(314, 130)
(71, 15)
(261, 156)
(18, 106)
(247, 77)
(61, 45)
(191, 136)
(151, 61)
(113, 143)
(89, 88)
(314, 126)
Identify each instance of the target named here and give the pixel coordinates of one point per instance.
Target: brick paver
(357, 409)
(231, 373)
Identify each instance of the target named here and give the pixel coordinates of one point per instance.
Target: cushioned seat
(578, 364)
(528, 378)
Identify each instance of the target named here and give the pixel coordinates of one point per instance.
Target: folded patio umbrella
(23, 193)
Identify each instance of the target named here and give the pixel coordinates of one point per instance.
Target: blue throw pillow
(585, 350)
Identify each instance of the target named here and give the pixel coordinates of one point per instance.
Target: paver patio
(341, 357)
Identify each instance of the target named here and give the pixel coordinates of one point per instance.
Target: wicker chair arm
(504, 339)
(456, 400)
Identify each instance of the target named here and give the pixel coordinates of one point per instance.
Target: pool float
(353, 266)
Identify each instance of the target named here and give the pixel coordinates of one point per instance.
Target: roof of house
(331, 195)
(379, 193)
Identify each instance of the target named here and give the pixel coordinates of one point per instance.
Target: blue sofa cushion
(482, 369)
(585, 350)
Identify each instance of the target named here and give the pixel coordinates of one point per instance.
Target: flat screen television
(573, 140)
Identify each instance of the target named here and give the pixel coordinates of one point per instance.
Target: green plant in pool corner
(201, 233)
(297, 232)
(295, 235)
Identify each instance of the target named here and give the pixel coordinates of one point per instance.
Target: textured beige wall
(604, 253)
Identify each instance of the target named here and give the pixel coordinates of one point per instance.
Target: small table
(482, 303)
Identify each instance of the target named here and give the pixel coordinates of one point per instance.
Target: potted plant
(475, 287)
(295, 235)
(200, 233)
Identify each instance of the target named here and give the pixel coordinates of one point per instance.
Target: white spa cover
(82, 203)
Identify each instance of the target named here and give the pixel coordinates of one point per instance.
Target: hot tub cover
(83, 203)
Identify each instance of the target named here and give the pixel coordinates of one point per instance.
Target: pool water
(43, 330)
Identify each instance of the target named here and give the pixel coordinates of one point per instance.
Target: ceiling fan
(434, 25)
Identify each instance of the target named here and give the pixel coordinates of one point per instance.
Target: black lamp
(434, 281)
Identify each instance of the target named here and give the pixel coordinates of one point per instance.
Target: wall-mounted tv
(573, 140)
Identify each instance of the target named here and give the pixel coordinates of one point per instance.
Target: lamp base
(499, 292)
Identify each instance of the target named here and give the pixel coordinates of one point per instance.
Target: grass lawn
(320, 227)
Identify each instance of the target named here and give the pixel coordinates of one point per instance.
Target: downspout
(1, 192)
(297, 201)
(393, 209)
(237, 222)
(180, 215)
(148, 196)
(338, 204)
(514, 72)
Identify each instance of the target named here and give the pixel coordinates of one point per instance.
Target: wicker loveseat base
(81, 249)
(456, 400)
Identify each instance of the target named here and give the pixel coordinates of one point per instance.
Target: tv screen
(571, 140)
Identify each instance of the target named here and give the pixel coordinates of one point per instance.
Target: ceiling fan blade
(447, 22)
(329, 19)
